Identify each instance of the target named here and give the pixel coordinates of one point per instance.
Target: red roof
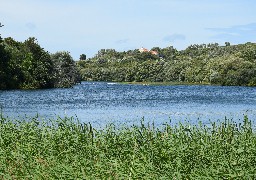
(143, 50)
(146, 50)
(154, 52)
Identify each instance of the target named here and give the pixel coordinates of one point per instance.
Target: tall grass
(67, 149)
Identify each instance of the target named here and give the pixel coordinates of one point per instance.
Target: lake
(101, 102)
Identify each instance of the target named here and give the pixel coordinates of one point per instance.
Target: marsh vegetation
(67, 149)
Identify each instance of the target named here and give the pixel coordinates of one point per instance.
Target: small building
(146, 50)
(143, 50)
(154, 53)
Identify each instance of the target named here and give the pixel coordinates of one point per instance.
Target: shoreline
(166, 83)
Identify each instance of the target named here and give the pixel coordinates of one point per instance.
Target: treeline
(26, 65)
(205, 63)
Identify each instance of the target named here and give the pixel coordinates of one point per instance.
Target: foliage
(205, 63)
(66, 149)
(82, 57)
(26, 65)
(65, 70)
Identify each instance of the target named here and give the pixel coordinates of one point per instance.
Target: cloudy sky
(85, 26)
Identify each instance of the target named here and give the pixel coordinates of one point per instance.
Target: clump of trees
(26, 65)
(65, 70)
(205, 63)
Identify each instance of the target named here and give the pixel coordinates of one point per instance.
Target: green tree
(65, 70)
(199, 63)
(15, 65)
(82, 57)
(41, 69)
(4, 62)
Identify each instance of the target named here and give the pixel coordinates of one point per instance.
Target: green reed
(67, 149)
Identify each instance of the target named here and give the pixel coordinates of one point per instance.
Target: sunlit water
(100, 103)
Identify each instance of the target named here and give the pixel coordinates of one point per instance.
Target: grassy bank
(66, 149)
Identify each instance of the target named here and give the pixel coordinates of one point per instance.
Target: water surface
(102, 102)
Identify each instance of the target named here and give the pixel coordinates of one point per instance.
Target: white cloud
(122, 41)
(236, 34)
(30, 26)
(174, 37)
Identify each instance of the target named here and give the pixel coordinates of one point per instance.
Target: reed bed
(67, 149)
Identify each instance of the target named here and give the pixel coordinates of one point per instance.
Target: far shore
(165, 83)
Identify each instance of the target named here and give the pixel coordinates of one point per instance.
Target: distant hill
(204, 63)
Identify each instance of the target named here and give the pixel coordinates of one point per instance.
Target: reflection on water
(101, 103)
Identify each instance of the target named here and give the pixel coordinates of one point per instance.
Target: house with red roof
(146, 50)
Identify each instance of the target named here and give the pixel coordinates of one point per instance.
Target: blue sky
(86, 26)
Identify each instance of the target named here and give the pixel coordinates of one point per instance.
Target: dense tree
(40, 64)
(82, 57)
(4, 65)
(65, 70)
(26, 65)
(204, 63)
